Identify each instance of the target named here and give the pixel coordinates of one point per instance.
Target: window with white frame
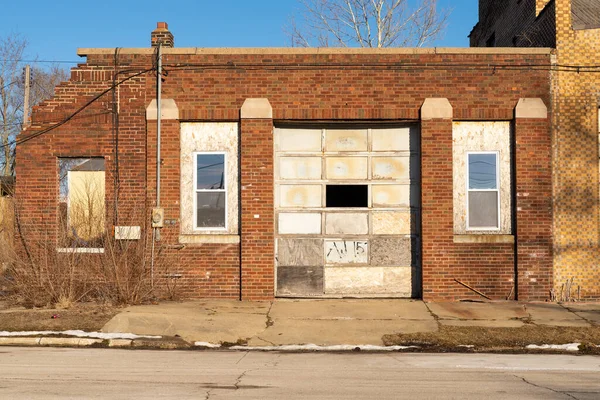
(483, 191)
(210, 186)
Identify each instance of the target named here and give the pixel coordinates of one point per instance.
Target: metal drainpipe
(156, 231)
(513, 151)
(158, 101)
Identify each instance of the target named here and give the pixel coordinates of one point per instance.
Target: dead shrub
(93, 266)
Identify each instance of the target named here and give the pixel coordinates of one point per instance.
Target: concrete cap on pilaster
(436, 108)
(168, 110)
(256, 109)
(531, 108)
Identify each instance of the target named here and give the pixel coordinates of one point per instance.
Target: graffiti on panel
(346, 252)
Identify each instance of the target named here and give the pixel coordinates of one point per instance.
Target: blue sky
(56, 29)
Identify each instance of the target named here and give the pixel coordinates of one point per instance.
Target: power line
(47, 122)
(304, 66)
(391, 66)
(9, 85)
(79, 110)
(41, 61)
(43, 89)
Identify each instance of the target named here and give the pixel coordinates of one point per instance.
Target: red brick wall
(534, 208)
(257, 223)
(205, 269)
(300, 87)
(487, 267)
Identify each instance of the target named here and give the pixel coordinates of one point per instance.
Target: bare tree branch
(366, 23)
(12, 50)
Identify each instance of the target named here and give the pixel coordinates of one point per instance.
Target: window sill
(90, 250)
(493, 238)
(199, 239)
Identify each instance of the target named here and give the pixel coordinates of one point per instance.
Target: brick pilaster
(533, 200)
(436, 197)
(257, 208)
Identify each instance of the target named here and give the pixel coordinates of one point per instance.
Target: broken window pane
(81, 202)
(347, 196)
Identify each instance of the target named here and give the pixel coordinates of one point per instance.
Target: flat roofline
(83, 52)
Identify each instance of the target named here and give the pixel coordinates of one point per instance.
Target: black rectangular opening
(347, 196)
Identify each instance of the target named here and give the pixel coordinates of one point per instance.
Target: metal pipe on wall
(156, 231)
(158, 111)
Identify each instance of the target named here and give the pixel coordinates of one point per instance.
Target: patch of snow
(468, 346)
(567, 347)
(314, 347)
(207, 344)
(81, 334)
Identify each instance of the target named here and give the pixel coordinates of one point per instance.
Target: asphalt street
(60, 373)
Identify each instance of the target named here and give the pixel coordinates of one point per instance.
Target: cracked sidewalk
(334, 322)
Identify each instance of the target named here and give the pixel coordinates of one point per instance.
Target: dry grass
(88, 317)
(38, 275)
(450, 338)
(6, 220)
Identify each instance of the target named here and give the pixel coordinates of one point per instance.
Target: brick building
(573, 28)
(308, 172)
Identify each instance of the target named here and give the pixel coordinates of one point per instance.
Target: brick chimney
(162, 35)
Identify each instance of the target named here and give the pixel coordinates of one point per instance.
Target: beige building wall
(477, 136)
(575, 119)
(207, 137)
(539, 6)
(575, 146)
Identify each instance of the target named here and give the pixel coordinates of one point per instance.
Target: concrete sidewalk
(333, 322)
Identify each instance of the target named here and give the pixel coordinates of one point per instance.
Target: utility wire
(79, 110)
(45, 122)
(9, 85)
(41, 61)
(393, 66)
(304, 66)
(43, 89)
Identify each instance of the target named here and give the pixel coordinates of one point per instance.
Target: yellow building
(572, 27)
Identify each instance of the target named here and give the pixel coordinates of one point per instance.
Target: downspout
(239, 151)
(116, 110)
(158, 101)
(514, 207)
(156, 231)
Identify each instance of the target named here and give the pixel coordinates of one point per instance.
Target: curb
(75, 342)
(20, 341)
(142, 343)
(49, 341)
(176, 343)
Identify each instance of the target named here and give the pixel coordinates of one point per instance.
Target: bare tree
(11, 106)
(367, 23)
(12, 53)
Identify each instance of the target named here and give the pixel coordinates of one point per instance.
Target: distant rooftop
(586, 14)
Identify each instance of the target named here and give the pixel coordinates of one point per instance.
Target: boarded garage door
(347, 211)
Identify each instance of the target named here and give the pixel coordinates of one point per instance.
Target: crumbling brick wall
(302, 86)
